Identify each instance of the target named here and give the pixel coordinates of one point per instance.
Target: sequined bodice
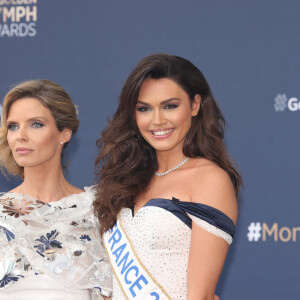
(160, 233)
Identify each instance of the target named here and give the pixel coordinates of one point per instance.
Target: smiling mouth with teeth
(162, 132)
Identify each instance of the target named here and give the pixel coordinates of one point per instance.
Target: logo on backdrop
(18, 18)
(262, 232)
(282, 102)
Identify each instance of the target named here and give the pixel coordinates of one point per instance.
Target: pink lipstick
(22, 151)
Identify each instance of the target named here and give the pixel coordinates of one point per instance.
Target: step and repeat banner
(249, 52)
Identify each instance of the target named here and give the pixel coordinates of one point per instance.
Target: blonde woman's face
(32, 134)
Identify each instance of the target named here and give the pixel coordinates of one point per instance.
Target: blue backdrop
(248, 51)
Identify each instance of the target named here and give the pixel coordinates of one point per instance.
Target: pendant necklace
(175, 168)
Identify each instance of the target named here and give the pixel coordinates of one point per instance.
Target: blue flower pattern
(60, 238)
(48, 242)
(85, 237)
(9, 234)
(8, 276)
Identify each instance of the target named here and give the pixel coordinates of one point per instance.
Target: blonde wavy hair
(52, 96)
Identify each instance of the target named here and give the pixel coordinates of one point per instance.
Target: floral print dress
(59, 240)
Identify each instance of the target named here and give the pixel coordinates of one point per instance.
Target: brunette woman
(50, 246)
(167, 196)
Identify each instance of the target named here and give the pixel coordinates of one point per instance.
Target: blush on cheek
(185, 121)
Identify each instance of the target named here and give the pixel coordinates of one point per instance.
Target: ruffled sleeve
(92, 264)
(60, 239)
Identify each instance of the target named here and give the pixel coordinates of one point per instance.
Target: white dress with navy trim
(160, 234)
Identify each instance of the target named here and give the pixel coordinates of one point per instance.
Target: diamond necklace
(178, 166)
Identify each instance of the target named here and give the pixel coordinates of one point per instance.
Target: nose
(158, 117)
(22, 135)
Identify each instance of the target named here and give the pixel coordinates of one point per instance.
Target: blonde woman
(50, 246)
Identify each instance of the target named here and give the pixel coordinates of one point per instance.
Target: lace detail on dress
(211, 228)
(60, 239)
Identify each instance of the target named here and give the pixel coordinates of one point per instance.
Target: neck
(169, 159)
(45, 183)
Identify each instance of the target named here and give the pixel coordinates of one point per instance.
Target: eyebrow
(31, 119)
(162, 102)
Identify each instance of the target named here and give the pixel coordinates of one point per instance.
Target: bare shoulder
(77, 190)
(211, 185)
(15, 190)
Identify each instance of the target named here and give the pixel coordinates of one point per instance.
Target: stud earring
(61, 143)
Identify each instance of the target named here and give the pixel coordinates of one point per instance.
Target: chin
(163, 148)
(26, 164)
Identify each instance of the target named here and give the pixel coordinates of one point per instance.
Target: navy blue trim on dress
(204, 212)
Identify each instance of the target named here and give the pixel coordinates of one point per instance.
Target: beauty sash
(135, 280)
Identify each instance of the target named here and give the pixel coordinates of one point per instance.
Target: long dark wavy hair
(126, 162)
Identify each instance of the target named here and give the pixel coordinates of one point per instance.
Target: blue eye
(12, 127)
(171, 106)
(143, 108)
(37, 124)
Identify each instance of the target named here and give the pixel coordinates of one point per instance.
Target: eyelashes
(37, 124)
(145, 108)
(15, 126)
(171, 106)
(12, 127)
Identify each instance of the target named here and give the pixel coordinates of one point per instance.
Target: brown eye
(171, 106)
(143, 108)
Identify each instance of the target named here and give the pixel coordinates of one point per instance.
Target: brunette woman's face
(164, 113)
(32, 134)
